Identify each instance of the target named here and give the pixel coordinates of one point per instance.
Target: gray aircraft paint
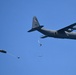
(64, 33)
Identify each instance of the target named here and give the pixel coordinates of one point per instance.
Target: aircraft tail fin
(35, 25)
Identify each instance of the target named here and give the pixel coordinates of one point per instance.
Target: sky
(55, 56)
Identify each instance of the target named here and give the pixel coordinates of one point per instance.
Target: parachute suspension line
(13, 55)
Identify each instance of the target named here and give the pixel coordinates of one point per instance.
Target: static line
(13, 55)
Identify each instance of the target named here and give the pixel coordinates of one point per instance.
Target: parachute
(39, 43)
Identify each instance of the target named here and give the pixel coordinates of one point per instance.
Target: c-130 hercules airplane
(64, 33)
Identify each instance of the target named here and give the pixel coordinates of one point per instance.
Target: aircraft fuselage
(55, 34)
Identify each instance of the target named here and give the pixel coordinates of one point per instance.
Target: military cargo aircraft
(64, 33)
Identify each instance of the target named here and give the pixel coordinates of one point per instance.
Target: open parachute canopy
(3, 51)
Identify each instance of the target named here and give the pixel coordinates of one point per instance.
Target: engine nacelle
(69, 30)
(74, 27)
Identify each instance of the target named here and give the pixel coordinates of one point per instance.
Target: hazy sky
(55, 57)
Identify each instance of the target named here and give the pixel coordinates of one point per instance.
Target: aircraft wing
(69, 28)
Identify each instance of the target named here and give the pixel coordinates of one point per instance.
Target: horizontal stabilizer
(45, 36)
(31, 30)
(36, 28)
